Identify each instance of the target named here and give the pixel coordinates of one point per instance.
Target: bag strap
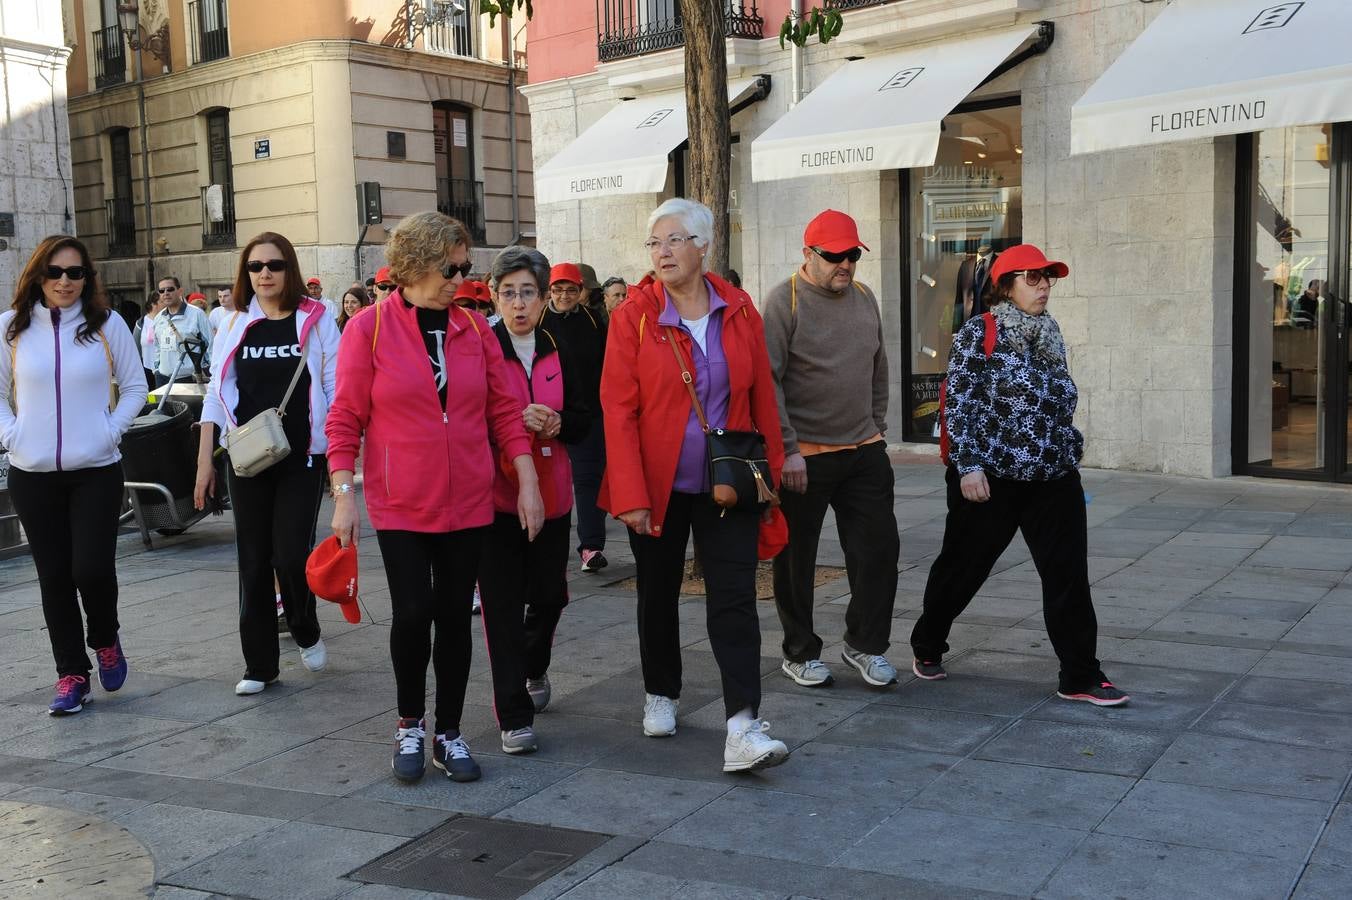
(112, 372)
(286, 398)
(688, 379)
(991, 333)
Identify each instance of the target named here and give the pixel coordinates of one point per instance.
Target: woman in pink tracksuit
(423, 382)
(524, 584)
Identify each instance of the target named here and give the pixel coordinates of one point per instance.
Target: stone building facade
(35, 169)
(260, 119)
(1152, 233)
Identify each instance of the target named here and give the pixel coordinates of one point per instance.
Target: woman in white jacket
(62, 419)
(259, 350)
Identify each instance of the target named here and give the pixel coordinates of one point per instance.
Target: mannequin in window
(971, 284)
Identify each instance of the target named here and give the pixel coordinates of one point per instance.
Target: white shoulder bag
(261, 442)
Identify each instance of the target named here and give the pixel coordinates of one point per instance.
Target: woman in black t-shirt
(276, 509)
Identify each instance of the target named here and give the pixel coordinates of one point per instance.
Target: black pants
(70, 519)
(524, 588)
(588, 457)
(1051, 515)
(727, 550)
(431, 577)
(857, 484)
(275, 516)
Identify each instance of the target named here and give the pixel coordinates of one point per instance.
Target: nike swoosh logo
(551, 377)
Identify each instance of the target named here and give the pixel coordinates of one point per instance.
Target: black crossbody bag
(739, 468)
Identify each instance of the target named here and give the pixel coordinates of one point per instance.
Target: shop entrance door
(1293, 341)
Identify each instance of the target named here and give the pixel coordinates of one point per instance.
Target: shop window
(964, 210)
(218, 197)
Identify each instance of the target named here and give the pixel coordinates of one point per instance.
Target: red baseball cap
(196, 296)
(834, 232)
(468, 290)
(331, 572)
(1026, 256)
(383, 275)
(313, 281)
(773, 535)
(566, 272)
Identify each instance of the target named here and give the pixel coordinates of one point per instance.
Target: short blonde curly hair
(421, 243)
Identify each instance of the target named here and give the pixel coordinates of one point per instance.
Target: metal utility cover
(486, 858)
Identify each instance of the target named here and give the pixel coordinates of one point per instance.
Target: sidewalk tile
(1284, 726)
(1291, 693)
(93, 735)
(1323, 882)
(615, 802)
(359, 814)
(1240, 765)
(181, 836)
(901, 728)
(246, 799)
(205, 751)
(1335, 846)
(1110, 749)
(326, 766)
(1332, 670)
(506, 781)
(971, 693)
(1018, 793)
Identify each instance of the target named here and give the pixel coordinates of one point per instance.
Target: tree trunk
(706, 97)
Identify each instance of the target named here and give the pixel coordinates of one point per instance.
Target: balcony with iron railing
(210, 30)
(121, 225)
(110, 57)
(218, 215)
(452, 38)
(846, 5)
(627, 28)
(463, 199)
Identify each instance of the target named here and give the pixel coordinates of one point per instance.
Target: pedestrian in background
(824, 334)
(524, 583)
(179, 334)
(383, 285)
(61, 419)
(282, 332)
(354, 301)
(1013, 464)
(657, 481)
(614, 291)
(579, 330)
(422, 382)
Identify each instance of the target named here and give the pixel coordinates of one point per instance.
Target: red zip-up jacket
(646, 405)
(425, 469)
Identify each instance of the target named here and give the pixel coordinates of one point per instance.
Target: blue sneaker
(70, 693)
(112, 666)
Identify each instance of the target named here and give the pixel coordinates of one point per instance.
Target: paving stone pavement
(1225, 609)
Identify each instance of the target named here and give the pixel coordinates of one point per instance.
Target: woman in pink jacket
(524, 584)
(423, 381)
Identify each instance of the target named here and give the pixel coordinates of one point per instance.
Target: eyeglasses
(1035, 277)
(448, 271)
(74, 273)
(272, 265)
(385, 286)
(525, 296)
(570, 290)
(673, 242)
(168, 290)
(838, 258)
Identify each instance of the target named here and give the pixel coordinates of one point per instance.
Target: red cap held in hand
(834, 232)
(773, 535)
(331, 572)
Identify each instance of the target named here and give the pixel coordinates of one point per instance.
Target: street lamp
(157, 44)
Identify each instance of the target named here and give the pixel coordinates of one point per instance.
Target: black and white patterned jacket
(1009, 415)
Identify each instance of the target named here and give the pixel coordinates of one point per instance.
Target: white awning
(1212, 67)
(882, 112)
(625, 151)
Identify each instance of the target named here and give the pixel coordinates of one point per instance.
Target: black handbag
(739, 468)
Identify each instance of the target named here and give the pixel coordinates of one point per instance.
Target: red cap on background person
(834, 232)
(1023, 257)
(313, 281)
(195, 296)
(383, 275)
(331, 572)
(468, 291)
(566, 272)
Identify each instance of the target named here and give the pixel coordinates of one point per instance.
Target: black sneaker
(1101, 694)
(409, 759)
(451, 755)
(928, 669)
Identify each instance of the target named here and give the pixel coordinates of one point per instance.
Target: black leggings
(431, 578)
(70, 519)
(275, 516)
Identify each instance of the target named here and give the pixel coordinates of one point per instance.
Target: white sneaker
(478, 604)
(250, 686)
(659, 715)
(812, 673)
(876, 670)
(752, 749)
(314, 657)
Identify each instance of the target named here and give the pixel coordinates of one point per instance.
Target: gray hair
(514, 259)
(612, 281)
(696, 218)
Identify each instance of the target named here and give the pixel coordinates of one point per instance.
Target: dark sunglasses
(448, 271)
(74, 273)
(167, 290)
(838, 258)
(272, 265)
(1035, 277)
(385, 286)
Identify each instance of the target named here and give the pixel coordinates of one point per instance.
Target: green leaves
(495, 8)
(824, 23)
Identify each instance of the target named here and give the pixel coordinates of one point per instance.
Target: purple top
(710, 370)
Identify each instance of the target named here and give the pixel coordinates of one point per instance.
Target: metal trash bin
(12, 542)
(159, 465)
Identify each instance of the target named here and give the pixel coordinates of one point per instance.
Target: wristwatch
(343, 488)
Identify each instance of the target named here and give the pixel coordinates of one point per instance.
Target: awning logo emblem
(653, 118)
(902, 79)
(1274, 17)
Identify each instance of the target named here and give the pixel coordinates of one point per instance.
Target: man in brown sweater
(824, 334)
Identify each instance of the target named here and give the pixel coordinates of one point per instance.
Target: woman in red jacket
(524, 584)
(657, 474)
(423, 381)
